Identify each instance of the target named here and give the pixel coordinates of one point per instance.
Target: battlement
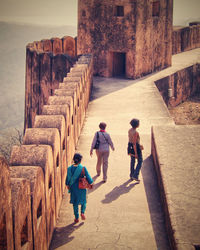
(47, 63)
(37, 169)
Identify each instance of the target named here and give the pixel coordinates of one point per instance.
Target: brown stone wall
(39, 155)
(42, 161)
(153, 37)
(135, 40)
(6, 225)
(47, 63)
(185, 38)
(39, 166)
(21, 208)
(36, 178)
(181, 85)
(48, 136)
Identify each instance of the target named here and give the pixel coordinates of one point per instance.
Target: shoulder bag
(97, 142)
(83, 182)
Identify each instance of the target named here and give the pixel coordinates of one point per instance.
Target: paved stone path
(121, 214)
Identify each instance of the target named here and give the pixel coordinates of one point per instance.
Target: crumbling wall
(31, 193)
(47, 63)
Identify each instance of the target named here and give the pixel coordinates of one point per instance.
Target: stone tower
(128, 38)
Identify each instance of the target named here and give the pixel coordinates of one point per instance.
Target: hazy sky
(53, 12)
(64, 12)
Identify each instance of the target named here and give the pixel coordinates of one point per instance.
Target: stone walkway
(121, 214)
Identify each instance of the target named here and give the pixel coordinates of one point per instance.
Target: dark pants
(134, 172)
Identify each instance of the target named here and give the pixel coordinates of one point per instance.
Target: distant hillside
(13, 41)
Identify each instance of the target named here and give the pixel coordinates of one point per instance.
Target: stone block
(21, 209)
(47, 45)
(6, 221)
(69, 46)
(48, 136)
(57, 45)
(42, 156)
(36, 178)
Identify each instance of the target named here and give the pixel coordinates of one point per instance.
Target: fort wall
(33, 183)
(47, 63)
(130, 38)
(178, 87)
(185, 38)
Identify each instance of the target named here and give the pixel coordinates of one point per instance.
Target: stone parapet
(22, 217)
(48, 136)
(39, 155)
(47, 63)
(36, 178)
(176, 88)
(185, 38)
(39, 165)
(175, 151)
(6, 222)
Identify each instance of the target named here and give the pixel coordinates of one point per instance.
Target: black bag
(130, 149)
(97, 142)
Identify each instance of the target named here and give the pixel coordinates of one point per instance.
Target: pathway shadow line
(118, 191)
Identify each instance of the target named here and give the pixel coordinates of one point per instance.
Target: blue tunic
(77, 196)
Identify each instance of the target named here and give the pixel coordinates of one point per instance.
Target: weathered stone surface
(6, 222)
(21, 209)
(54, 118)
(185, 38)
(42, 156)
(66, 135)
(49, 136)
(66, 100)
(46, 65)
(175, 151)
(69, 46)
(36, 178)
(181, 85)
(76, 104)
(57, 45)
(125, 37)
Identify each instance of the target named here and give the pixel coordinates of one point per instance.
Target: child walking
(77, 196)
(134, 150)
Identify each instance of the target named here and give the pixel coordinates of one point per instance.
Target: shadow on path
(154, 204)
(119, 190)
(103, 86)
(61, 235)
(96, 185)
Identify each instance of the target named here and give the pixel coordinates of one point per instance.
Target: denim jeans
(134, 172)
(83, 207)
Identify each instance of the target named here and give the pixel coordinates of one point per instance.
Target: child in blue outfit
(77, 196)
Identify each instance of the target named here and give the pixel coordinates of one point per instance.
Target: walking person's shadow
(119, 190)
(61, 235)
(96, 185)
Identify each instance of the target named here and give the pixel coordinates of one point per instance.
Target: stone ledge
(175, 151)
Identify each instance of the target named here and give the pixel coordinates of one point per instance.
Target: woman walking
(134, 150)
(77, 196)
(102, 151)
